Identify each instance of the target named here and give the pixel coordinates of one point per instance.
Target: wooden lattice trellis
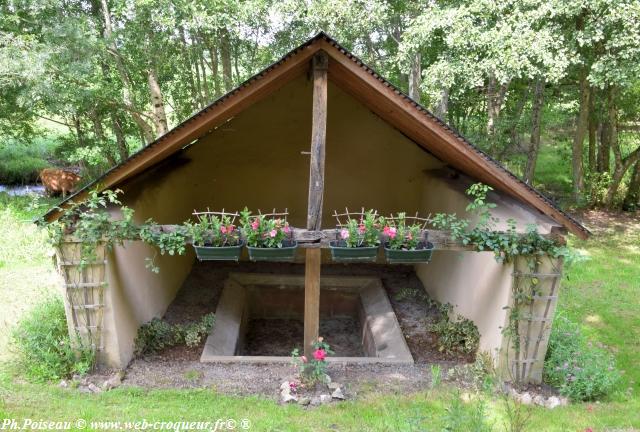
(342, 219)
(203, 215)
(535, 317)
(84, 286)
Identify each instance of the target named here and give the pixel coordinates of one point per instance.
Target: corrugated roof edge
(363, 65)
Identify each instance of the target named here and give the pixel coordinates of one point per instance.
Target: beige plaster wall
(473, 282)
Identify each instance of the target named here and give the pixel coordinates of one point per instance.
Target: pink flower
(273, 233)
(255, 224)
(304, 359)
(286, 229)
(409, 236)
(230, 228)
(344, 234)
(392, 232)
(386, 230)
(361, 229)
(319, 354)
(223, 229)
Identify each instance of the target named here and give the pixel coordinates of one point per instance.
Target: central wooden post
(314, 210)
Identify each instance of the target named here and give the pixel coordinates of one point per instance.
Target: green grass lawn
(601, 293)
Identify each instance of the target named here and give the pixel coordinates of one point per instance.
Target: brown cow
(56, 181)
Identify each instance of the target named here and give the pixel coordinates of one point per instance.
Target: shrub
(158, 334)
(154, 336)
(461, 416)
(20, 163)
(580, 370)
(455, 335)
(44, 349)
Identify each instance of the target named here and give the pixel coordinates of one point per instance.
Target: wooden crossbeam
(316, 239)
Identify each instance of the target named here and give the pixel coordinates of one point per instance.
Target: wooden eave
(364, 84)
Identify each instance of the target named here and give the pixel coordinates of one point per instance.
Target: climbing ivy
(484, 236)
(92, 222)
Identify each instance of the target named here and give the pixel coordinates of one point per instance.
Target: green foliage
(363, 232)
(457, 335)
(436, 376)
(44, 350)
(518, 415)
(154, 336)
(213, 230)
(21, 163)
(463, 417)
(484, 373)
(262, 231)
(195, 332)
(158, 334)
(581, 370)
(505, 245)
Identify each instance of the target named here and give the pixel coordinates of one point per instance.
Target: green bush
(158, 334)
(21, 163)
(455, 335)
(580, 370)
(43, 346)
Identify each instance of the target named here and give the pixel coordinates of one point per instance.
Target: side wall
(476, 285)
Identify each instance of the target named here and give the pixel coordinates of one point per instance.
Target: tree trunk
(213, 52)
(495, 98)
(101, 140)
(225, 54)
(205, 84)
(604, 150)
(622, 165)
(415, 75)
(159, 115)
(442, 108)
(186, 55)
(593, 129)
(121, 141)
(632, 198)
(513, 133)
(578, 139)
(534, 142)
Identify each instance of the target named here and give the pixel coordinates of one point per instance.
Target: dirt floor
(180, 366)
(276, 337)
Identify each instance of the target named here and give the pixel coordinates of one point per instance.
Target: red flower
(319, 354)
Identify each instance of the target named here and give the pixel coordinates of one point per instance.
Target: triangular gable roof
(361, 82)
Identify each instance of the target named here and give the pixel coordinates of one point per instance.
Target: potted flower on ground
(405, 243)
(268, 238)
(215, 237)
(358, 239)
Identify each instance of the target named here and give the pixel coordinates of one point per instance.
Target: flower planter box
(399, 256)
(219, 253)
(286, 253)
(341, 253)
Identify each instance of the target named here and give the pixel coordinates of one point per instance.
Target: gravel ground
(265, 379)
